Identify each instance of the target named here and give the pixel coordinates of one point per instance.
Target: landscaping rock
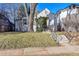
(63, 40)
(60, 39)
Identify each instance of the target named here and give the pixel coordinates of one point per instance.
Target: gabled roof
(44, 13)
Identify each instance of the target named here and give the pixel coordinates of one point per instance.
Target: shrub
(41, 24)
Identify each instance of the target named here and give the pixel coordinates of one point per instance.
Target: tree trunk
(31, 17)
(26, 12)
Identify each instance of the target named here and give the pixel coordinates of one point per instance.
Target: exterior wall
(17, 25)
(21, 25)
(34, 28)
(52, 22)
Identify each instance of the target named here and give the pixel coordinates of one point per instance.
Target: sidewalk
(41, 51)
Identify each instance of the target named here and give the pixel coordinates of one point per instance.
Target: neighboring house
(69, 18)
(51, 21)
(43, 13)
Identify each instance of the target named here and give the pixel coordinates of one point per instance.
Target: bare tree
(31, 17)
(20, 16)
(26, 12)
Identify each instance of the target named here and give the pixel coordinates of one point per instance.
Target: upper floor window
(24, 20)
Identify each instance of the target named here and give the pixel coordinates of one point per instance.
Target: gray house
(21, 25)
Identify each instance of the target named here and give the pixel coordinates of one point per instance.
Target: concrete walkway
(41, 51)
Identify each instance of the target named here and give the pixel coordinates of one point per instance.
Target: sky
(53, 7)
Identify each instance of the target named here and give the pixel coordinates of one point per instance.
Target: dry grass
(14, 40)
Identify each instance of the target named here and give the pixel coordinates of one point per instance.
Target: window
(24, 21)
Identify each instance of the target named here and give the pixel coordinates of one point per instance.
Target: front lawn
(23, 40)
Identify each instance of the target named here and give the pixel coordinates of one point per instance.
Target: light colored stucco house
(67, 15)
(51, 22)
